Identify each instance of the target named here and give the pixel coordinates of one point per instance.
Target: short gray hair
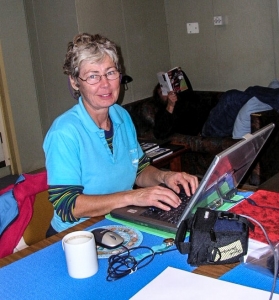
(91, 48)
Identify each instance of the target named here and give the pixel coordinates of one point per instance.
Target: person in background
(231, 115)
(177, 113)
(242, 123)
(93, 158)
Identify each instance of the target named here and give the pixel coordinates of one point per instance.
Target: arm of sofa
(201, 151)
(263, 118)
(210, 145)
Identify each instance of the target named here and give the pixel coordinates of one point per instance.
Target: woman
(93, 158)
(177, 113)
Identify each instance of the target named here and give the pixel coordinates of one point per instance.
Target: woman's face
(102, 94)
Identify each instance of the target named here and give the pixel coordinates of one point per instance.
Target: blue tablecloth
(244, 275)
(43, 275)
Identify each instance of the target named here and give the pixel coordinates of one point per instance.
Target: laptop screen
(227, 170)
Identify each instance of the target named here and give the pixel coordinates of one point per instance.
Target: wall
(50, 28)
(119, 20)
(139, 28)
(152, 37)
(20, 82)
(34, 49)
(240, 54)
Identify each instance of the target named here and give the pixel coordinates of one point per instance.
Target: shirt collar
(89, 122)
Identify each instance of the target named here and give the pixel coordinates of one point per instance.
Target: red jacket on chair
(25, 193)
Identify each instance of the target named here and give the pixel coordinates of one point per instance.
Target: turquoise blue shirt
(77, 153)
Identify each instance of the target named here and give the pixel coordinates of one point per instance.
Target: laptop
(218, 185)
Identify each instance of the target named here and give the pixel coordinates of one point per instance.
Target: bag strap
(185, 225)
(183, 248)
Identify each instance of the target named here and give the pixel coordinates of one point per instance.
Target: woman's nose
(104, 80)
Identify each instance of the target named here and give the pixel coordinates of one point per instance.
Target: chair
(25, 194)
(39, 223)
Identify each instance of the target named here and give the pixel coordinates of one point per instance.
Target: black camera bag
(216, 237)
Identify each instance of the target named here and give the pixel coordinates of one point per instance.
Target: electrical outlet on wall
(193, 28)
(220, 20)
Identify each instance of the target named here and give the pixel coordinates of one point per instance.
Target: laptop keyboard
(172, 216)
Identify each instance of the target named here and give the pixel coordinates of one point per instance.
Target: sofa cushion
(221, 119)
(242, 124)
(142, 113)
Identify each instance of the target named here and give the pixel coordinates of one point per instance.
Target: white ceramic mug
(81, 254)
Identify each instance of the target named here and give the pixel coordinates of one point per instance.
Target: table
(173, 160)
(210, 271)
(43, 275)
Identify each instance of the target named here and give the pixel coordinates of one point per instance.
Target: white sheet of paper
(178, 284)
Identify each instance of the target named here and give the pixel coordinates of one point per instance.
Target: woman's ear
(73, 82)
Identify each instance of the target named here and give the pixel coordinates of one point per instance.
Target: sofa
(201, 150)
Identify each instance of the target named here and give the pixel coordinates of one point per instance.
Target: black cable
(254, 203)
(123, 264)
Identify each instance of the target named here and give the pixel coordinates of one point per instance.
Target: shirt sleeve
(62, 159)
(143, 163)
(63, 199)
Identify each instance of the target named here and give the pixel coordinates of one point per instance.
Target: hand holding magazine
(172, 81)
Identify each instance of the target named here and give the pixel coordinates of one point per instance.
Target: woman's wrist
(163, 176)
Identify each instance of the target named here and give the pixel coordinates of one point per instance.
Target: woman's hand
(189, 182)
(152, 176)
(158, 196)
(151, 195)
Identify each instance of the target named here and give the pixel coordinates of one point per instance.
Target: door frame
(6, 111)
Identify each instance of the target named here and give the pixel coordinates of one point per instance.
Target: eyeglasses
(93, 79)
